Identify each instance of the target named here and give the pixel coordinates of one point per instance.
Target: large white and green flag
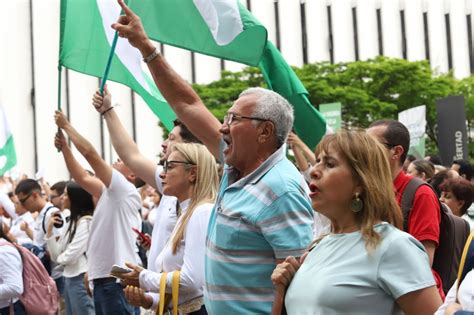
(85, 41)
(219, 28)
(208, 26)
(7, 146)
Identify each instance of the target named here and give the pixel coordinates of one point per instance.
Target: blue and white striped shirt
(262, 217)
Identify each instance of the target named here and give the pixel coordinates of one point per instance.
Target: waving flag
(7, 147)
(85, 42)
(225, 29)
(219, 28)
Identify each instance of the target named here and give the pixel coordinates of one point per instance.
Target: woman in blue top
(365, 265)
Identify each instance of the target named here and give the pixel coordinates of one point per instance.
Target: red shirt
(425, 215)
(424, 218)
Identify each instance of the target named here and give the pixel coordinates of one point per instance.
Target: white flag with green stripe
(221, 28)
(7, 147)
(85, 41)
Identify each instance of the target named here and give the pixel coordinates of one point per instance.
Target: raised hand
(60, 119)
(102, 102)
(130, 26)
(59, 140)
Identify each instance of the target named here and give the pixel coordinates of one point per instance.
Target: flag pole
(60, 68)
(111, 55)
(109, 62)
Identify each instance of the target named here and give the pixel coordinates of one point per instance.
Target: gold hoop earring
(357, 204)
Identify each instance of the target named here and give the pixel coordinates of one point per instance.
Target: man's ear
(397, 152)
(35, 194)
(267, 131)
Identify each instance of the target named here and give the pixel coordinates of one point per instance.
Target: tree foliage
(369, 90)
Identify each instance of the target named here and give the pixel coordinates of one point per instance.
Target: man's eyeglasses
(231, 117)
(167, 164)
(22, 201)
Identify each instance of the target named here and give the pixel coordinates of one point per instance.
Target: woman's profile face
(452, 202)
(332, 185)
(66, 202)
(175, 175)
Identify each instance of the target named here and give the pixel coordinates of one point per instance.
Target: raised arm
(178, 93)
(102, 170)
(123, 144)
(91, 184)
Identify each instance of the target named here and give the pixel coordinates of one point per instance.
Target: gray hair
(274, 107)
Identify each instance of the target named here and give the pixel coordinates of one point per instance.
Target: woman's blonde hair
(368, 161)
(205, 186)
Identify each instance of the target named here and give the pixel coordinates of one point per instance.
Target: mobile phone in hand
(116, 269)
(143, 236)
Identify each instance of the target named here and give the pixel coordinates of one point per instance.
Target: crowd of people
(226, 223)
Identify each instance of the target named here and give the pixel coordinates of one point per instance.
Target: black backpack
(453, 233)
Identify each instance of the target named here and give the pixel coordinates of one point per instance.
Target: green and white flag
(7, 147)
(85, 42)
(227, 30)
(219, 28)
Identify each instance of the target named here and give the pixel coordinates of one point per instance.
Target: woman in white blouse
(70, 249)
(190, 174)
(11, 276)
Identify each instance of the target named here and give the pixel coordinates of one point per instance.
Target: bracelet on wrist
(151, 56)
(105, 111)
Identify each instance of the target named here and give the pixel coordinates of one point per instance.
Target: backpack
(453, 233)
(40, 295)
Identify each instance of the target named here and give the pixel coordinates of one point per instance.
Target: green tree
(369, 90)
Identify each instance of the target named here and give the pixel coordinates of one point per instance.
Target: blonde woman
(189, 174)
(365, 265)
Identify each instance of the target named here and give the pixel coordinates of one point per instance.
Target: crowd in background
(225, 223)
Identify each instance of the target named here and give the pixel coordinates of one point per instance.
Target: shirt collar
(258, 173)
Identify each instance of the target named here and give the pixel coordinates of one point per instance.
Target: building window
(427, 36)
(448, 40)
(330, 39)
(304, 34)
(356, 33)
(380, 31)
(404, 37)
(469, 41)
(277, 24)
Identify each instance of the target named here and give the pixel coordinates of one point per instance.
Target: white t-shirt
(8, 205)
(340, 277)
(11, 274)
(17, 232)
(39, 234)
(189, 258)
(465, 295)
(164, 223)
(72, 255)
(112, 240)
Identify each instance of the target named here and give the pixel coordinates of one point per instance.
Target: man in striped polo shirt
(262, 213)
